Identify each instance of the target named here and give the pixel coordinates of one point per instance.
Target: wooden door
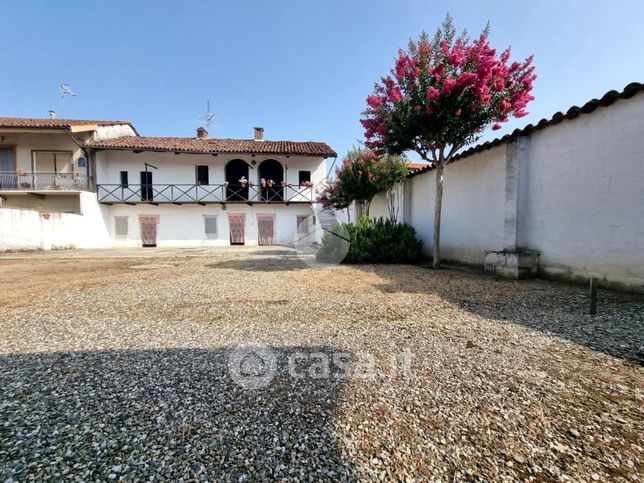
(146, 186)
(237, 224)
(148, 225)
(266, 229)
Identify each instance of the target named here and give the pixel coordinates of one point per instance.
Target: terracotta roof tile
(606, 100)
(28, 122)
(413, 166)
(212, 145)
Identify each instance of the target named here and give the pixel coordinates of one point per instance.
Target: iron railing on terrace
(39, 181)
(213, 193)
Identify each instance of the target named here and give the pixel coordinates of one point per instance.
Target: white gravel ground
(114, 365)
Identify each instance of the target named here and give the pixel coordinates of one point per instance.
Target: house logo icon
(252, 366)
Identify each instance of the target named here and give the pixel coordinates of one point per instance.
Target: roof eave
(606, 100)
(96, 147)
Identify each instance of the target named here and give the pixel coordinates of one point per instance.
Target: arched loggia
(272, 172)
(236, 170)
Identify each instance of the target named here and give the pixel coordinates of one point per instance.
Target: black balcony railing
(22, 181)
(213, 193)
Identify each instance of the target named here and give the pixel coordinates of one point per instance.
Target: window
(303, 225)
(120, 226)
(210, 226)
(146, 186)
(304, 177)
(123, 179)
(202, 175)
(53, 161)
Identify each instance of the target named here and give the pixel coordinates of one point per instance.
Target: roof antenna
(65, 90)
(208, 120)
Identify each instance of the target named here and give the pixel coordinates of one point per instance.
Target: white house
(129, 190)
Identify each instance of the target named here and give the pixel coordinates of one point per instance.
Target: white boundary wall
(24, 229)
(580, 200)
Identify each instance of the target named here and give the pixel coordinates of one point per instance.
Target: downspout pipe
(88, 156)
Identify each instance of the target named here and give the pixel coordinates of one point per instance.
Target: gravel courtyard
(116, 365)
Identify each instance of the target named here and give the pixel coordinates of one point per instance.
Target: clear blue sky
(301, 69)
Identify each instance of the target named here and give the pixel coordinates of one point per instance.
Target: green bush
(371, 241)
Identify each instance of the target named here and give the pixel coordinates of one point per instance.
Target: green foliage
(363, 174)
(356, 177)
(389, 170)
(332, 197)
(371, 241)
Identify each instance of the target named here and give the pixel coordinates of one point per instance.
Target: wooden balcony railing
(39, 181)
(214, 193)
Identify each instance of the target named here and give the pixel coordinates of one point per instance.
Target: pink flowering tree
(440, 96)
(357, 178)
(331, 197)
(362, 175)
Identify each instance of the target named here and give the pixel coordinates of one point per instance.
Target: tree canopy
(443, 93)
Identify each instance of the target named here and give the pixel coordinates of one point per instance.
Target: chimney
(52, 114)
(259, 134)
(202, 133)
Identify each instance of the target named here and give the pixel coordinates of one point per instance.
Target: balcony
(37, 182)
(179, 194)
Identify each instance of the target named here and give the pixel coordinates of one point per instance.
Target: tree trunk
(438, 205)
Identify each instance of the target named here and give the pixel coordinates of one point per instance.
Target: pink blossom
(374, 101)
(456, 57)
(505, 106)
(394, 94)
(448, 86)
(439, 72)
(467, 79)
(433, 93)
(464, 78)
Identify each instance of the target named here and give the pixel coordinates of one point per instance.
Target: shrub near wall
(372, 241)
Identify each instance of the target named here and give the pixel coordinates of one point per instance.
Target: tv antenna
(65, 90)
(208, 120)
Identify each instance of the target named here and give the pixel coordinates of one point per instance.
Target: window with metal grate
(210, 226)
(120, 226)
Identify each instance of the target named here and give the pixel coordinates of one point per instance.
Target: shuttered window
(120, 226)
(303, 225)
(210, 226)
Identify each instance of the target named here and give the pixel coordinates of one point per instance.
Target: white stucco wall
(110, 132)
(180, 168)
(183, 226)
(25, 229)
(473, 206)
(27, 142)
(581, 205)
(585, 199)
